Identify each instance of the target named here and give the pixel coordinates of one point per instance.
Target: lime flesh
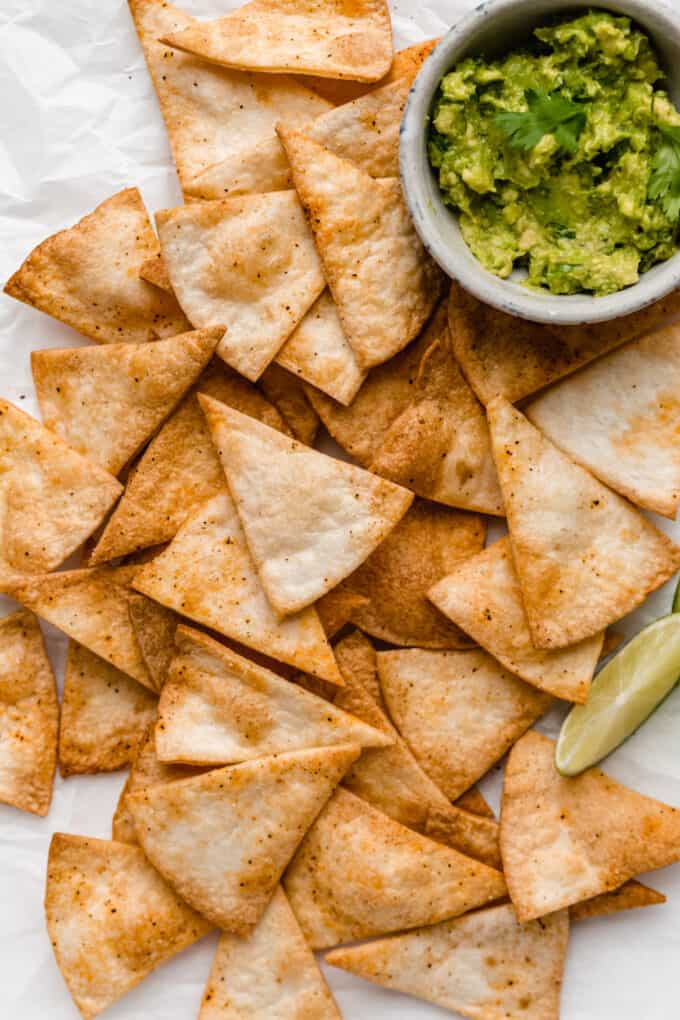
(623, 695)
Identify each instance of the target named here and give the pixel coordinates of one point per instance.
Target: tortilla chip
(631, 896)
(29, 716)
(207, 574)
(482, 595)
(104, 715)
(584, 556)
(485, 966)
(248, 265)
(397, 576)
(567, 840)
(106, 401)
(223, 839)
(612, 640)
(273, 968)
(503, 356)
(289, 396)
(477, 837)
(90, 606)
(336, 608)
(211, 113)
(358, 873)
(154, 271)
(357, 660)
(474, 802)
(619, 419)
(154, 627)
(459, 712)
(406, 64)
(88, 276)
(333, 40)
(51, 498)
(111, 918)
(384, 283)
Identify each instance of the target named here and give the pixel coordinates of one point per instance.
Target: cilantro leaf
(664, 182)
(547, 115)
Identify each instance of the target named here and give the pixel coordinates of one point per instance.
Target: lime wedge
(676, 599)
(624, 694)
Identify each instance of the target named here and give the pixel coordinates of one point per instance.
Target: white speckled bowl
(494, 28)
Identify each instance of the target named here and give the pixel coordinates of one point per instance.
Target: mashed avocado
(563, 157)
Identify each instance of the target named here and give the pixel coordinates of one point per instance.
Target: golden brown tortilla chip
(224, 838)
(485, 966)
(612, 640)
(482, 595)
(154, 271)
(111, 919)
(474, 802)
(631, 896)
(287, 393)
(477, 837)
(459, 712)
(331, 40)
(406, 64)
(154, 627)
(358, 874)
(88, 276)
(567, 840)
(336, 608)
(29, 716)
(107, 401)
(104, 715)
(384, 283)
(584, 556)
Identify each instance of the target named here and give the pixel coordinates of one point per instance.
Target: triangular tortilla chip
(473, 801)
(396, 578)
(288, 394)
(459, 712)
(29, 716)
(246, 264)
(154, 271)
(583, 555)
(309, 519)
(104, 715)
(485, 966)
(106, 401)
(567, 840)
(503, 356)
(406, 64)
(619, 418)
(91, 606)
(332, 40)
(358, 873)
(111, 918)
(273, 969)
(439, 446)
(154, 627)
(223, 839)
(336, 608)
(217, 708)
(88, 276)
(382, 280)
(207, 574)
(477, 837)
(51, 498)
(211, 113)
(483, 596)
(631, 896)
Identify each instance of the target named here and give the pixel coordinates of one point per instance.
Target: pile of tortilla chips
(309, 662)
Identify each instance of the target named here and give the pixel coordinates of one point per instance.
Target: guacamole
(563, 157)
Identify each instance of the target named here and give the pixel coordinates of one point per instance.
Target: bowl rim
(505, 294)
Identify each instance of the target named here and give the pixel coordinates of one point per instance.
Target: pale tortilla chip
(583, 555)
(382, 280)
(459, 712)
(207, 574)
(483, 596)
(272, 970)
(358, 873)
(631, 896)
(90, 606)
(154, 271)
(104, 715)
(88, 276)
(439, 446)
(332, 40)
(336, 608)
(485, 966)
(503, 356)
(477, 837)
(211, 113)
(111, 919)
(619, 418)
(180, 468)
(217, 708)
(406, 64)
(154, 627)
(107, 401)
(246, 264)
(567, 840)
(288, 395)
(223, 839)
(51, 498)
(396, 578)
(309, 519)
(29, 716)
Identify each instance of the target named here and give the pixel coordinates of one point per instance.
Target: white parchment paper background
(79, 122)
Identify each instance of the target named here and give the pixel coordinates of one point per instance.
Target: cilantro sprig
(664, 182)
(547, 115)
